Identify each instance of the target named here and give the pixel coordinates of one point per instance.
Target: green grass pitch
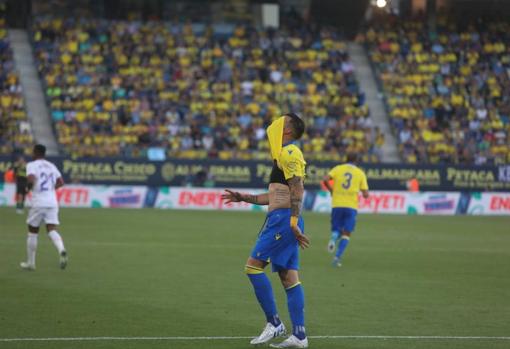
(163, 273)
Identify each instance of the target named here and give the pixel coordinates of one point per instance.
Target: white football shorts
(38, 214)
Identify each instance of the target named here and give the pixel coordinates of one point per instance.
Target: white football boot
(292, 342)
(27, 266)
(269, 333)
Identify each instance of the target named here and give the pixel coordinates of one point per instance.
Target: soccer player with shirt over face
(348, 181)
(43, 179)
(282, 234)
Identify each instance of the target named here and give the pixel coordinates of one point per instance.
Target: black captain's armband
(277, 175)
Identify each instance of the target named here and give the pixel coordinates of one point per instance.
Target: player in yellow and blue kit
(348, 181)
(282, 234)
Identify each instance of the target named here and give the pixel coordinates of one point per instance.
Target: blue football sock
(296, 304)
(342, 245)
(334, 235)
(264, 293)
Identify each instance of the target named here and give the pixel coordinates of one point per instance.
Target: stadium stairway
(378, 113)
(37, 110)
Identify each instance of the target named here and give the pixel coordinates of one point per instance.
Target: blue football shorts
(343, 218)
(276, 243)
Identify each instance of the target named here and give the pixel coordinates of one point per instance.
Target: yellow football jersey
(348, 181)
(292, 162)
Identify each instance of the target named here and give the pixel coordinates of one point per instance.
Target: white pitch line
(180, 338)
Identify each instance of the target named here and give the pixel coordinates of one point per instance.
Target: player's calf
(32, 238)
(342, 245)
(264, 293)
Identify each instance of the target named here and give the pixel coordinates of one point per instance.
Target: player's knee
(289, 278)
(50, 227)
(346, 235)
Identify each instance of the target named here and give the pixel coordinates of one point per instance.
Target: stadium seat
(122, 87)
(447, 89)
(15, 131)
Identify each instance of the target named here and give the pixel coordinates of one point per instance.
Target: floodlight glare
(381, 3)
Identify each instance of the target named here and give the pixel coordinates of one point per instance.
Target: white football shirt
(46, 175)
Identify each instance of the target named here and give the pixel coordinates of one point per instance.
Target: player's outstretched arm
(326, 184)
(30, 182)
(59, 183)
(235, 196)
(297, 190)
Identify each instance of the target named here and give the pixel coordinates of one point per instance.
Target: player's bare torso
(279, 196)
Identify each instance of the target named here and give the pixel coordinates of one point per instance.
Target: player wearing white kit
(43, 180)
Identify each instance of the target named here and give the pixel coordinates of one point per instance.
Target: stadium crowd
(447, 89)
(197, 91)
(15, 132)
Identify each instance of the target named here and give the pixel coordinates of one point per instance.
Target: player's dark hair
(39, 150)
(352, 158)
(298, 125)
